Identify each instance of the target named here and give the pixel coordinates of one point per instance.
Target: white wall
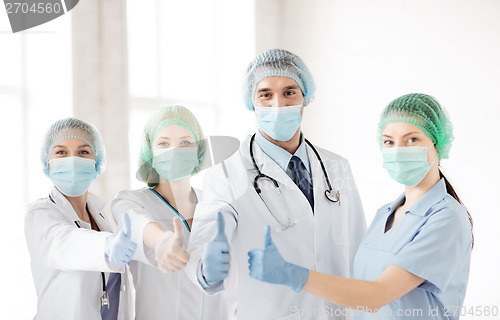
(366, 53)
(363, 54)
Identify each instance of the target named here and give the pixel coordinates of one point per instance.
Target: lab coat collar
(94, 203)
(434, 195)
(245, 151)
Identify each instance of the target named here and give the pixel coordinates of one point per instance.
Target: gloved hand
(268, 265)
(215, 261)
(119, 248)
(168, 250)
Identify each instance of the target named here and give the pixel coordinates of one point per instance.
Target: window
(35, 89)
(191, 53)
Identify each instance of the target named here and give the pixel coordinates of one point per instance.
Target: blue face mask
(175, 164)
(72, 175)
(406, 165)
(280, 123)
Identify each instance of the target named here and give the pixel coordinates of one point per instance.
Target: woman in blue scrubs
(414, 260)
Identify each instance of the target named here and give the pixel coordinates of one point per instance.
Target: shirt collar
(280, 155)
(396, 203)
(434, 195)
(94, 203)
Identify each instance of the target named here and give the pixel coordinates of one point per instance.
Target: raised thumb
(268, 241)
(220, 234)
(178, 225)
(127, 225)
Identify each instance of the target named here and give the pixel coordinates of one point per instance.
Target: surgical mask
(407, 165)
(280, 123)
(72, 175)
(174, 164)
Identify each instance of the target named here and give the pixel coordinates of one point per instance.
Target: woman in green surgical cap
(173, 149)
(413, 262)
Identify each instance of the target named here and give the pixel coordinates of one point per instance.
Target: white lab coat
(66, 261)
(325, 241)
(160, 295)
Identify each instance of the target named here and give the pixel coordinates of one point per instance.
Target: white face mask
(280, 123)
(174, 164)
(72, 175)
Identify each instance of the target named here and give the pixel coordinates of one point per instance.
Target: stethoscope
(329, 194)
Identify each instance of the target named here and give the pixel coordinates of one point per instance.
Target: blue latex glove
(119, 249)
(215, 261)
(268, 265)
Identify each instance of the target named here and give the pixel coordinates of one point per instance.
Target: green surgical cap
(162, 118)
(424, 112)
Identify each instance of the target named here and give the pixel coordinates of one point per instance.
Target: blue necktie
(113, 290)
(297, 172)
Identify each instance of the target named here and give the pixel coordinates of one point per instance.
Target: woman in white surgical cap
(173, 149)
(77, 262)
(414, 260)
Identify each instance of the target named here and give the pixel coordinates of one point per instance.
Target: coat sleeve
(217, 197)
(126, 201)
(67, 247)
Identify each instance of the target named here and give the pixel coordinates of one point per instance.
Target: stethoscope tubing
(328, 192)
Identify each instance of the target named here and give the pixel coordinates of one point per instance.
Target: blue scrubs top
(432, 241)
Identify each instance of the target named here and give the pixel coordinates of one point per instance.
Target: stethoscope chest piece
(332, 197)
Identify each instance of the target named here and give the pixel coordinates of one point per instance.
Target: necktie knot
(294, 163)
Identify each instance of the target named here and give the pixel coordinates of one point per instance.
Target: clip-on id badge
(105, 300)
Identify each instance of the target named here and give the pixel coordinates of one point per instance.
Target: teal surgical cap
(277, 62)
(424, 112)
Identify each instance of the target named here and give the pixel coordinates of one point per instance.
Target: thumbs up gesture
(119, 248)
(269, 266)
(215, 261)
(169, 254)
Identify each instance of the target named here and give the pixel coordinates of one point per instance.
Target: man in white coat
(306, 195)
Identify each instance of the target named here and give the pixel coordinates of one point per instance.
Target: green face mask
(406, 165)
(174, 164)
